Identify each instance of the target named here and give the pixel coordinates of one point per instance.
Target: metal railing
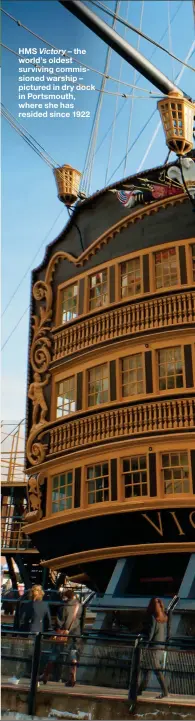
(175, 660)
(103, 658)
(12, 535)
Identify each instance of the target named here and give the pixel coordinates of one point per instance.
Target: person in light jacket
(154, 629)
(70, 621)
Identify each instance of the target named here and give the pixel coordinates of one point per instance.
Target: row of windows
(175, 478)
(170, 376)
(166, 272)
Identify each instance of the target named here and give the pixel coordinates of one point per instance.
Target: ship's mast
(121, 46)
(176, 108)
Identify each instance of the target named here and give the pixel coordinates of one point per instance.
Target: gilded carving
(35, 498)
(40, 357)
(35, 450)
(35, 393)
(60, 255)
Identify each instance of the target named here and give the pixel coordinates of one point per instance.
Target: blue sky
(29, 199)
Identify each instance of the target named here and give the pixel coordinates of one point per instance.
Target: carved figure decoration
(35, 498)
(166, 184)
(40, 357)
(35, 393)
(188, 169)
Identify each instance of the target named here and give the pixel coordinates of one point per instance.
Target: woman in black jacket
(155, 631)
(35, 612)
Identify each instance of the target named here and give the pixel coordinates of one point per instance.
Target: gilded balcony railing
(158, 312)
(128, 421)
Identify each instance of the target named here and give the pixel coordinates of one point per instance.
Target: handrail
(179, 660)
(129, 318)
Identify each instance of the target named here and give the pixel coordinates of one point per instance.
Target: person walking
(35, 612)
(70, 623)
(68, 634)
(154, 628)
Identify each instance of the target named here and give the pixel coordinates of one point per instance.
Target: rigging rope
(116, 106)
(169, 37)
(147, 122)
(62, 54)
(132, 101)
(159, 125)
(98, 112)
(151, 56)
(14, 123)
(105, 9)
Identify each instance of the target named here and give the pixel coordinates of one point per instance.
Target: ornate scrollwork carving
(36, 451)
(35, 498)
(40, 358)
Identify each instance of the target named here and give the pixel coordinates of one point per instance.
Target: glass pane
(184, 459)
(168, 488)
(97, 471)
(142, 462)
(165, 460)
(134, 464)
(55, 482)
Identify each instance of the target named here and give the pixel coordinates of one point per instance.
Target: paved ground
(100, 692)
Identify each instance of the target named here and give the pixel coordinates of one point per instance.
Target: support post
(23, 571)
(34, 675)
(186, 592)
(134, 675)
(12, 573)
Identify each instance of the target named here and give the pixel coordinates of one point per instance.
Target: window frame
(87, 371)
(175, 389)
(153, 268)
(120, 362)
(125, 259)
(89, 276)
(59, 472)
(182, 494)
(192, 259)
(97, 504)
(134, 499)
(57, 382)
(61, 289)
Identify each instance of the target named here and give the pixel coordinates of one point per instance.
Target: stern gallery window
(98, 290)
(135, 476)
(98, 385)
(132, 375)
(62, 491)
(175, 472)
(170, 368)
(166, 268)
(130, 277)
(97, 483)
(193, 262)
(66, 401)
(69, 306)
